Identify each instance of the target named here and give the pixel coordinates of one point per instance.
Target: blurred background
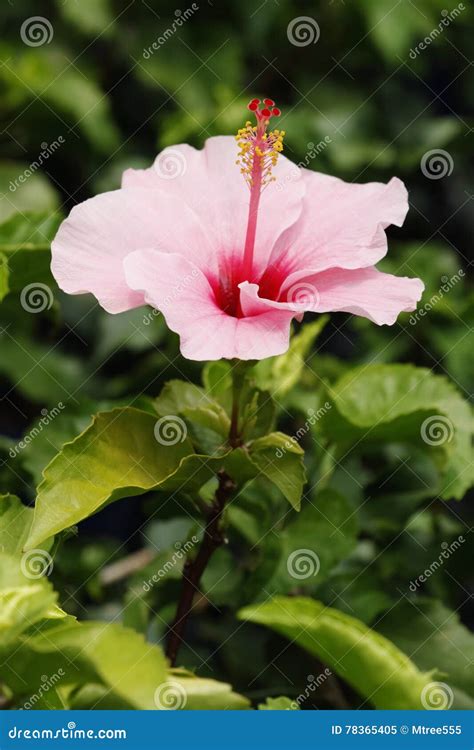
(88, 88)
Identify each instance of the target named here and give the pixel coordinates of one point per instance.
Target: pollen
(258, 147)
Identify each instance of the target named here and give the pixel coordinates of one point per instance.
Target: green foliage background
(380, 504)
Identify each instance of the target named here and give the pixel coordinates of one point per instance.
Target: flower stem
(213, 534)
(194, 569)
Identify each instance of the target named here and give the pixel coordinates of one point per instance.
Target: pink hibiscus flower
(230, 259)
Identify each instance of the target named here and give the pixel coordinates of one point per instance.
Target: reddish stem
(194, 569)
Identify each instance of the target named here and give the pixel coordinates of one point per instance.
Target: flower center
(258, 155)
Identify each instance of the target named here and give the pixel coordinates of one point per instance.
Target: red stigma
(269, 110)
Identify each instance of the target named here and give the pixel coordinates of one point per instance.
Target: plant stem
(213, 535)
(193, 569)
(239, 370)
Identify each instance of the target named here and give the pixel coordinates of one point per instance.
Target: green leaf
(117, 456)
(15, 522)
(436, 637)
(93, 17)
(256, 407)
(217, 380)
(282, 703)
(312, 543)
(180, 690)
(25, 242)
(207, 421)
(280, 460)
(394, 26)
(280, 374)
(46, 443)
(24, 599)
(200, 694)
(22, 193)
(21, 607)
(402, 402)
(4, 276)
(370, 663)
(257, 412)
(70, 90)
(109, 654)
(28, 232)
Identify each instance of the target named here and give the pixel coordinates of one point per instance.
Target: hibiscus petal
(209, 181)
(341, 225)
(368, 292)
(179, 289)
(89, 248)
